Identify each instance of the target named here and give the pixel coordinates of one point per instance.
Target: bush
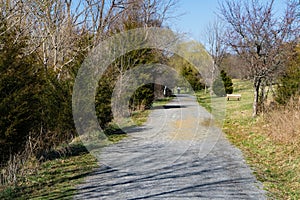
(218, 87)
(18, 87)
(227, 82)
(289, 84)
(193, 77)
(142, 98)
(33, 102)
(223, 84)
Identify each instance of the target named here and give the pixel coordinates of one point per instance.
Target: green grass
(275, 164)
(57, 177)
(205, 100)
(140, 117)
(53, 179)
(162, 101)
(213, 104)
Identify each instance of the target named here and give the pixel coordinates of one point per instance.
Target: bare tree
(215, 46)
(261, 39)
(139, 14)
(56, 28)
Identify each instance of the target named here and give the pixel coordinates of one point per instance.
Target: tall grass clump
(283, 123)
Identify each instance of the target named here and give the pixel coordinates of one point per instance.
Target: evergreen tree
(18, 88)
(227, 82)
(223, 85)
(33, 102)
(218, 87)
(193, 77)
(289, 84)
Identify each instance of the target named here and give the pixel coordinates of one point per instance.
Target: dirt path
(176, 155)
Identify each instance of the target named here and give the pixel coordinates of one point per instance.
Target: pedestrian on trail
(165, 91)
(178, 90)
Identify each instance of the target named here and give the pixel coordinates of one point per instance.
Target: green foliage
(289, 84)
(227, 82)
(193, 77)
(143, 97)
(33, 102)
(218, 87)
(103, 100)
(18, 87)
(55, 108)
(192, 52)
(223, 84)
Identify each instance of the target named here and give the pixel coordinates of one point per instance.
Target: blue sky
(196, 17)
(199, 13)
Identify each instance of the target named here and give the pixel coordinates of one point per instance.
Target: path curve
(175, 155)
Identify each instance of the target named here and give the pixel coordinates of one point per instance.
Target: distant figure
(178, 90)
(165, 91)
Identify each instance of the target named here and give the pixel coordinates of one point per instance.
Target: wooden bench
(235, 96)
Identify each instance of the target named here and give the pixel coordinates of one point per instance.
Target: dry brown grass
(283, 124)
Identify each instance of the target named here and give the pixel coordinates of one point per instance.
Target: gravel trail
(177, 154)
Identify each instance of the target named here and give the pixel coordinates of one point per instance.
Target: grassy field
(275, 162)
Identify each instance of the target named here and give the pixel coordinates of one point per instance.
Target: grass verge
(275, 162)
(52, 179)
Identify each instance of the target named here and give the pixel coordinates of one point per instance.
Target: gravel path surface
(177, 154)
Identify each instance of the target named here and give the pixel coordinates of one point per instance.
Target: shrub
(193, 77)
(33, 102)
(289, 84)
(223, 84)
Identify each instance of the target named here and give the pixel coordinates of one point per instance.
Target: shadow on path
(149, 165)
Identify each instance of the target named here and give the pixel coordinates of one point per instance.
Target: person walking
(178, 90)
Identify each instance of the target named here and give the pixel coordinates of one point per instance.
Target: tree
(289, 84)
(42, 45)
(234, 66)
(18, 85)
(192, 76)
(193, 51)
(135, 14)
(33, 103)
(222, 84)
(261, 39)
(215, 45)
(228, 85)
(218, 87)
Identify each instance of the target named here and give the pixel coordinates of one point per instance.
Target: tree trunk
(256, 84)
(262, 97)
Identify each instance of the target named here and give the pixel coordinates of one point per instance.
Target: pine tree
(289, 85)
(227, 82)
(223, 84)
(18, 87)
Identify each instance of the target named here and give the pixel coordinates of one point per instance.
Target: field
(269, 145)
